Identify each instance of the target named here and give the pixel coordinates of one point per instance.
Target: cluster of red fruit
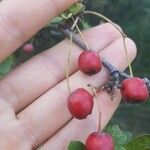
(80, 101)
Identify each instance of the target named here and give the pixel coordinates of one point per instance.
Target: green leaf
(76, 145)
(119, 136)
(6, 66)
(77, 8)
(73, 10)
(85, 25)
(66, 15)
(56, 20)
(128, 135)
(139, 143)
(118, 147)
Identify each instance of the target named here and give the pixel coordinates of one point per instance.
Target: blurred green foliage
(139, 143)
(120, 137)
(6, 66)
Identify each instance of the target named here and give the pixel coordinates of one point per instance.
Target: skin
(33, 107)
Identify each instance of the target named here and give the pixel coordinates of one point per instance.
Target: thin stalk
(99, 120)
(82, 36)
(128, 60)
(75, 22)
(68, 65)
(67, 33)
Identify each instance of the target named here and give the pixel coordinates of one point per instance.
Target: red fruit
(89, 62)
(134, 90)
(99, 141)
(80, 103)
(28, 48)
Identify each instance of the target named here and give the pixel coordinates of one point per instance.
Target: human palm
(33, 107)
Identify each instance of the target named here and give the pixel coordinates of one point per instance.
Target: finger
(79, 130)
(20, 20)
(51, 108)
(33, 78)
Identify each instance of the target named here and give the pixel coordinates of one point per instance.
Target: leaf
(77, 8)
(118, 147)
(85, 25)
(73, 10)
(120, 137)
(6, 66)
(66, 15)
(76, 145)
(56, 20)
(128, 135)
(139, 143)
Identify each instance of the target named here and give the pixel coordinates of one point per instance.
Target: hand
(33, 107)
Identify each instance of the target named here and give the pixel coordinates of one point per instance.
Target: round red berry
(89, 62)
(80, 103)
(99, 141)
(134, 90)
(28, 48)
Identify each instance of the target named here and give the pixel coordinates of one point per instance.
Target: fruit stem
(99, 120)
(82, 36)
(67, 33)
(128, 60)
(68, 65)
(75, 22)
